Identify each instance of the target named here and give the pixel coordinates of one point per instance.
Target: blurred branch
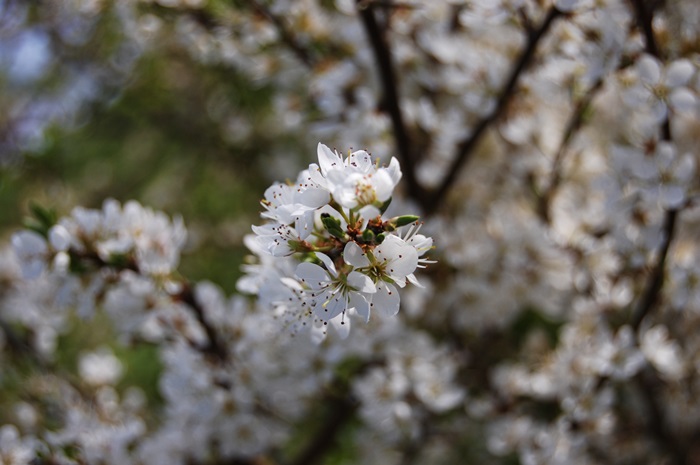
(185, 295)
(649, 383)
(390, 98)
(647, 380)
(18, 345)
(341, 411)
(467, 146)
(572, 126)
(209, 21)
(285, 34)
(650, 296)
(644, 14)
(341, 407)
(215, 346)
(656, 279)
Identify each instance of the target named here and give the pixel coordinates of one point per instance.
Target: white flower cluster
(118, 256)
(350, 259)
(133, 235)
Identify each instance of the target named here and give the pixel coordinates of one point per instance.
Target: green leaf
(41, 219)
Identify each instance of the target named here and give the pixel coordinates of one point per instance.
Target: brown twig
(649, 384)
(286, 35)
(185, 295)
(653, 288)
(467, 146)
(572, 126)
(656, 278)
(645, 18)
(647, 381)
(210, 21)
(214, 345)
(341, 407)
(390, 98)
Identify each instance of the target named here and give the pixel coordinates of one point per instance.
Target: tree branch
(214, 346)
(185, 295)
(341, 407)
(648, 384)
(645, 17)
(644, 22)
(285, 34)
(572, 126)
(390, 94)
(656, 279)
(467, 146)
(647, 381)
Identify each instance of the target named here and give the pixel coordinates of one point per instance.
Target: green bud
(380, 238)
(398, 221)
(332, 225)
(368, 236)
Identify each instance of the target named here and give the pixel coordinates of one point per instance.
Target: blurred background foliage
(88, 116)
(175, 134)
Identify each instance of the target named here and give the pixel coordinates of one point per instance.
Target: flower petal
(360, 304)
(361, 283)
(387, 299)
(679, 73)
(312, 197)
(649, 69)
(341, 325)
(683, 100)
(312, 275)
(394, 170)
(361, 161)
(355, 256)
(328, 262)
(328, 160)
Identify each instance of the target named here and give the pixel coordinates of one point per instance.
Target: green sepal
(310, 258)
(383, 207)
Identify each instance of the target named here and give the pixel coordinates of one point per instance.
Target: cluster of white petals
(347, 258)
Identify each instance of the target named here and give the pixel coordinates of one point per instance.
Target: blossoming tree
(509, 224)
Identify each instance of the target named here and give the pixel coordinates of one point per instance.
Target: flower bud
(398, 221)
(368, 236)
(333, 226)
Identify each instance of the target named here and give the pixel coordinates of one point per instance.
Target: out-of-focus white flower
(663, 352)
(100, 367)
(32, 251)
(662, 87)
(13, 450)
